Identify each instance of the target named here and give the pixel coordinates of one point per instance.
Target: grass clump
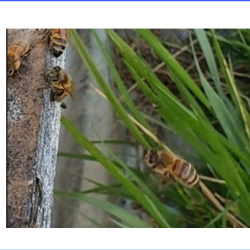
(205, 105)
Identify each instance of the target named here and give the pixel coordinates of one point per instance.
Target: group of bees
(58, 78)
(160, 161)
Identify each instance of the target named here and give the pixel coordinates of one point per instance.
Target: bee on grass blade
(165, 163)
(17, 50)
(58, 40)
(61, 83)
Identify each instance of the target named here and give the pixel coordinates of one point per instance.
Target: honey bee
(58, 40)
(165, 163)
(61, 83)
(16, 51)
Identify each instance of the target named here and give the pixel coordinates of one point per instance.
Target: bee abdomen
(186, 173)
(58, 41)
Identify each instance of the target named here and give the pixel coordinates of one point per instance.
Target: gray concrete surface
(94, 117)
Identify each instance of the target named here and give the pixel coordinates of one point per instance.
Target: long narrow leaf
(119, 82)
(116, 211)
(228, 124)
(105, 87)
(233, 88)
(174, 65)
(204, 43)
(111, 167)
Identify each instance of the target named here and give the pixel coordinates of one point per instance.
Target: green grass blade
(228, 124)
(173, 64)
(112, 209)
(119, 223)
(157, 209)
(189, 98)
(111, 189)
(219, 158)
(242, 37)
(110, 166)
(88, 157)
(76, 156)
(220, 215)
(91, 158)
(119, 82)
(143, 86)
(192, 125)
(209, 56)
(234, 92)
(74, 210)
(142, 69)
(115, 142)
(233, 43)
(105, 88)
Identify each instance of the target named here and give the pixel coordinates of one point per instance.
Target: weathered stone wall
(33, 130)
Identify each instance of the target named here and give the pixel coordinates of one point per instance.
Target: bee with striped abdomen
(165, 163)
(17, 50)
(58, 40)
(61, 83)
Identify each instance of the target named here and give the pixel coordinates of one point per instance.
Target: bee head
(151, 158)
(53, 74)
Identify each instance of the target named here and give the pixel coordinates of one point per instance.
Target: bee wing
(71, 91)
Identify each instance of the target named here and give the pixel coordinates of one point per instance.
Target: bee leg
(63, 105)
(44, 34)
(56, 96)
(166, 181)
(162, 185)
(53, 96)
(23, 63)
(27, 52)
(17, 72)
(47, 77)
(43, 88)
(17, 65)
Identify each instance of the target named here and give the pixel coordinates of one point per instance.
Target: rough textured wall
(32, 137)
